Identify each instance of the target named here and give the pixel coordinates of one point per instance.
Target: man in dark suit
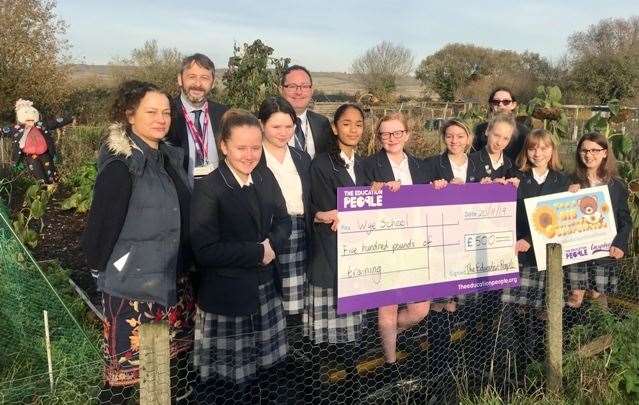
(196, 120)
(312, 130)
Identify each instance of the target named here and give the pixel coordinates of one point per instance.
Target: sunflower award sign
(419, 243)
(582, 222)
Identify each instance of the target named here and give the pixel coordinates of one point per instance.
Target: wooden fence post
(554, 307)
(155, 378)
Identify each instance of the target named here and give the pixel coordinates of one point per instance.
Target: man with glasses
(196, 120)
(502, 100)
(312, 130)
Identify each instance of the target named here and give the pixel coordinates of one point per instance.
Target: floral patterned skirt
(122, 331)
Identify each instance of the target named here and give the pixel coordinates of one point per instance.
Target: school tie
(300, 138)
(199, 159)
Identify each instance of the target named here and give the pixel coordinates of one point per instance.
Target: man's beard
(196, 101)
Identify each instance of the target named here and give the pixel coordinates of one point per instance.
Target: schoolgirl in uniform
(596, 166)
(392, 167)
(453, 166)
(523, 312)
(239, 224)
(339, 167)
(491, 164)
(541, 175)
(291, 168)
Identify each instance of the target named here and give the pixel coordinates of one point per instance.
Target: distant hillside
(327, 82)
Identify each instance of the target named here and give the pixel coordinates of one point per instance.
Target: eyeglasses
(497, 102)
(395, 134)
(296, 87)
(585, 152)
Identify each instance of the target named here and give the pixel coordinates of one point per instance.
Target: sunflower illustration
(545, 220)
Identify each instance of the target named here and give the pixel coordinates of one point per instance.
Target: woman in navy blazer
(239, 224)
(291, 168)
(392, 167)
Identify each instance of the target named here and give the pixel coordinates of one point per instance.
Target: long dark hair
(608, 167)
(128, 98)
(334, 150)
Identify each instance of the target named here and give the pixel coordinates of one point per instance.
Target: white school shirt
(210, 137)
(540, 179)
(241, 182)
(459, 172)
(499, 163)
(401, 171)
(350, 165)
(308, 134)
(289, 180)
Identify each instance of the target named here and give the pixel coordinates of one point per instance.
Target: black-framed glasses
(295, 87)
(585, 152)
(505, 102)
(394, 134)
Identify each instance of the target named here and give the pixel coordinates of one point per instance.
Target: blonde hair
(455, 122)
(395, 116)
(501, 117)
(534, 138)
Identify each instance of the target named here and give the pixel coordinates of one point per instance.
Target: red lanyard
(199, 137)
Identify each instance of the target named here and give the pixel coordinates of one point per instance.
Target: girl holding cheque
(392, 167)
(491, 164)
(597, 166)
(453, 166)
(339, 167)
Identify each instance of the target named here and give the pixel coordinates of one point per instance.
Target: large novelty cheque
(582, 222)
(418, 243)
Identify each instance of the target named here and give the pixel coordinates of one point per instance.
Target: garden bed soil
(60, 239)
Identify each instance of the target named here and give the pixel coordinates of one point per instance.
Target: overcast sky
(326, 35)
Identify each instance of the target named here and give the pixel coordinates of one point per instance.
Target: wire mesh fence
(469, 349)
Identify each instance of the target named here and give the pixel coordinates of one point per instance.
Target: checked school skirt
(235, 347)
(599, 275)
(322, 324)
(532, 286)
(292, 268)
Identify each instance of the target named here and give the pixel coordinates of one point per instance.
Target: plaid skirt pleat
(531, 290)
(292, 268)
(600, 275)
(235, 347)
(322, 324)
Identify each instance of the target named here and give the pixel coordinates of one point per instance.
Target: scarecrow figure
(33, 141)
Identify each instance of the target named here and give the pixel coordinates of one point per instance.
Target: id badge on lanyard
(199, 137)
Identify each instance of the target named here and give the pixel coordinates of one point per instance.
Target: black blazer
(321, 129)
(178, 133)
(516, 143)
(556, 182)
(226, 235)
(303, 165)
(439, 168)
(326, 175)
(377, 167)
(483, 167)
